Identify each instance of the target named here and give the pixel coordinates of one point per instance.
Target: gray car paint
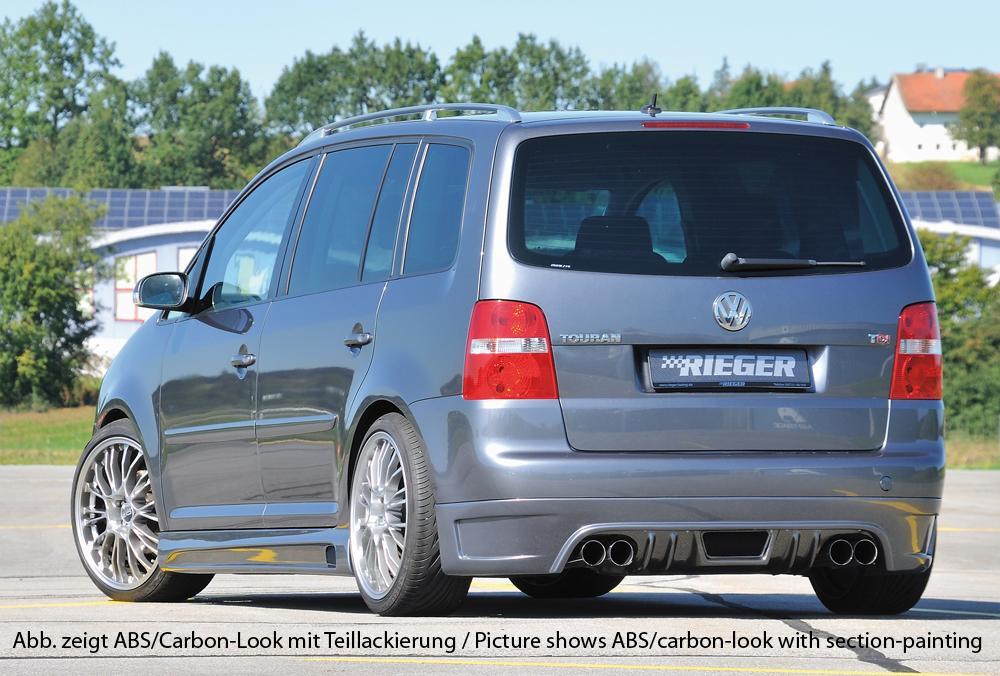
(496, 460)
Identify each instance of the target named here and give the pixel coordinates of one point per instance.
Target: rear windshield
(675, 203)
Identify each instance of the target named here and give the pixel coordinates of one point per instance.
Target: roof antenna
(650, 108)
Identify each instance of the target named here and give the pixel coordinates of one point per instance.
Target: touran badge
(732, 310)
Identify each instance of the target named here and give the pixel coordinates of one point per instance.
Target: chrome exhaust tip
(840, 552)
(593, 552)
(865, 552)
(621, 553)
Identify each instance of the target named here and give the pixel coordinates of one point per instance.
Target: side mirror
(161, 291)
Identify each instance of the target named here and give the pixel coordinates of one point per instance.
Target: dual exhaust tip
(619, 553)
(843, 552)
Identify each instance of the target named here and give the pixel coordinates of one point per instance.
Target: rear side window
(328, 254)
(385, 224)
(436, 218)
(675, 203)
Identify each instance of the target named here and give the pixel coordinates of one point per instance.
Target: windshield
(675, 203)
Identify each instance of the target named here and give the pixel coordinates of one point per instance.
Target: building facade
(915, 114)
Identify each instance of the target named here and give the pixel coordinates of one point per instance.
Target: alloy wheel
(378, 515)
(115, 515)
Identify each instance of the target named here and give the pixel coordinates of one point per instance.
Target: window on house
(184, 256)
(128, 271)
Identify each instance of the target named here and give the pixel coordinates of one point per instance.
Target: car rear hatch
(619, 238)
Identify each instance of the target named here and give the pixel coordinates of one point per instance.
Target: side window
(244, 255)
(660, 209)
(382, 240)
(328, 255)
(436, 219)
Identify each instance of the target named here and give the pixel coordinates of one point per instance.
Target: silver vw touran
(560, 348)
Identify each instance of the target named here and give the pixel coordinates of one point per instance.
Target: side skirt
(318, 551)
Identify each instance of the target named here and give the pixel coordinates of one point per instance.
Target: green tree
(970, 334)
(621, 87)
(979, 119)
(48, 261)
(203, 125)
(320, 88)
(51, 62)
(38, 165)
(684, 95)
(99, 147)
(476, 74)
(549, 76)
(754, 88)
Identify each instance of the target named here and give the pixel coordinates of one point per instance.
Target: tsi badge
(732, 310)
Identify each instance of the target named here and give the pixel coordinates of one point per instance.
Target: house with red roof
(916, 113)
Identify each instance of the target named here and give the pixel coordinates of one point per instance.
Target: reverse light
(916, 371)
(508, 355)
(694, 124)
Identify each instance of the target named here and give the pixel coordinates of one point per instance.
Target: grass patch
(943, 175)
(971, 453)
(53, 437)
(974, 174)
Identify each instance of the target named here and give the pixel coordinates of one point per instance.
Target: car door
(209, 468)
(318, 340)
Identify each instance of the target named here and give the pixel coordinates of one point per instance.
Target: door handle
(242, 361)
(358, 339)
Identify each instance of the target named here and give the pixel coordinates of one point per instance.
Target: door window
(245, 250)
(328, 255)
(432, 239)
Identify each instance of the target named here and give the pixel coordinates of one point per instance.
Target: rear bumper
(514, 497)
(534, 537)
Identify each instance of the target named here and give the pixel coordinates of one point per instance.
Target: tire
(853, 592)
(394, 547)
(115, 521)
(575, 583)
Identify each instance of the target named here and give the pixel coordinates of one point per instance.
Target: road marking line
(35, 527)
(67, 604)
(947, 529)
(955, 612)
(609, 666)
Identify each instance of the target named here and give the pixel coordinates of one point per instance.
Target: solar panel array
(966, 207)
(130, 208)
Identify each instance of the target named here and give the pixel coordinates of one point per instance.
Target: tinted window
(385, 224)
(328, 255)
(245, 250)
(677, 202)
(436, 219)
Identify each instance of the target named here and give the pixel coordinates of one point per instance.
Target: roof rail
(811, 114)
(429, 112)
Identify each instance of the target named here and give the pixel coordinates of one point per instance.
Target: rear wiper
(733, 263)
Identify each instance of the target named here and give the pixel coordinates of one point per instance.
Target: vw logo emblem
(732, 310)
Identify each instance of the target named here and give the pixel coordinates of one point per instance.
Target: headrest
(614, 234)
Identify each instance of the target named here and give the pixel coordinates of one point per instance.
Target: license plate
(736, 369)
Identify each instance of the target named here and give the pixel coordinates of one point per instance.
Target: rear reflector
(508, 354)
(916, 373)
(694, 124)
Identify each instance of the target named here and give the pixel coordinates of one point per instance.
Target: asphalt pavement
(52, 619)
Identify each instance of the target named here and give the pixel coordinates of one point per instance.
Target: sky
(861, 39)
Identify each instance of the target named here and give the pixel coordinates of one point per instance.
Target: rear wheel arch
(373, 410)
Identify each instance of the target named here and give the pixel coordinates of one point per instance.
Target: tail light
(508, 355)
(916, 373)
